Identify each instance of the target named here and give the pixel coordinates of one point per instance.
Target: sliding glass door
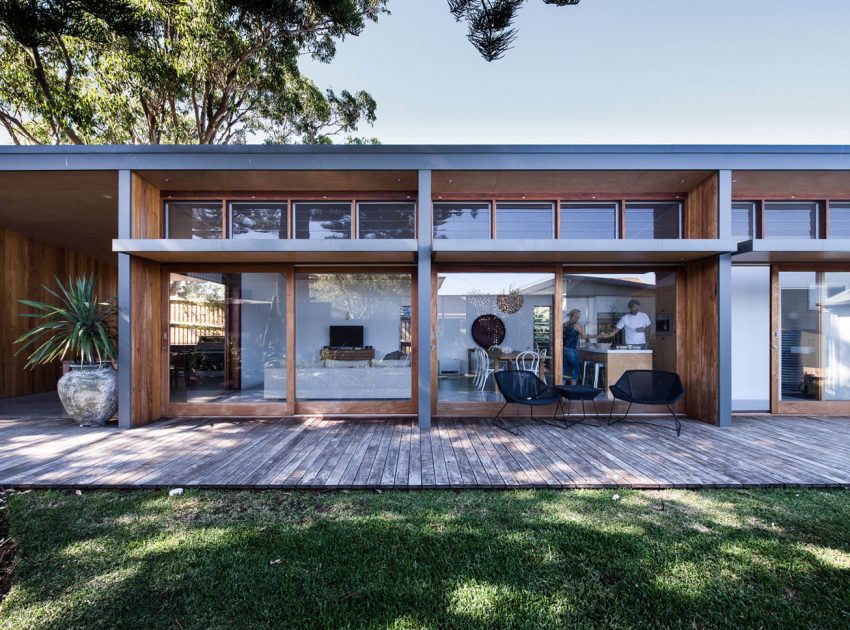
(811, 341)
(275, 340)
(227, 337)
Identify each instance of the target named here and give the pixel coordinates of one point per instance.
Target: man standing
(636, 323)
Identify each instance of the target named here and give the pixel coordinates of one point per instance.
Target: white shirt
(630, 323)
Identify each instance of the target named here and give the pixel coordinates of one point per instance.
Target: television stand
(347, 354)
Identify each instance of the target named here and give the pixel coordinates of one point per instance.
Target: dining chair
(528, 361)
(483, 369)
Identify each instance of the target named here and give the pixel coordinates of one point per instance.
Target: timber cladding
(702, 210)
(698, 356)
(27, 264)
(147, 218)
(146, 300)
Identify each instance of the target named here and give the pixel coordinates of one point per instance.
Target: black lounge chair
(648, 387)
(524, 387)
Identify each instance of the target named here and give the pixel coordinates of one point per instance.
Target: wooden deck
(320, 453)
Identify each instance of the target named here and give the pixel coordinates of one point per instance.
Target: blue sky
(608, 71)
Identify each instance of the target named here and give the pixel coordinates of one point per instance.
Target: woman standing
(573, 332)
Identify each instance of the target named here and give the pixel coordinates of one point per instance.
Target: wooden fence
(190, 320)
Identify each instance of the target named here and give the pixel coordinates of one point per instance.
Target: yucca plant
(78, 325)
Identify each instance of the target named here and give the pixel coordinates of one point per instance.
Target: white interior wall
(750, 338)
(381, 321)
(456, 313)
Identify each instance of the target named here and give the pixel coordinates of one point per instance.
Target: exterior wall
(146, 306)
(27, 264)
(698, 355)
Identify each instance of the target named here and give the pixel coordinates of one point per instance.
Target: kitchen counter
(615, 351)
(616, 362)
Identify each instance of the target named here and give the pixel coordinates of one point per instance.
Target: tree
(490, 23)
(176, 71)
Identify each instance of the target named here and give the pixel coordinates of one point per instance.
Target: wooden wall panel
(27, 264)
(147, 209)
(699, 346)
(146, 300)
(701, 211)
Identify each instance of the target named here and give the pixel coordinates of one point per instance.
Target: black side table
(581, 393)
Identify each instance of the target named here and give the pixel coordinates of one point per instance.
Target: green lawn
(537, 559)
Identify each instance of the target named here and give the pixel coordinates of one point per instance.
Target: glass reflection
(227, 337)
(378, 220)
(461, 220)
(814, 335)
(194, 219)
(322, 221)
(255, 220)
(521, 303)
(353, 336)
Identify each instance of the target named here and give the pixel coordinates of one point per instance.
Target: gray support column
(724, 340)
(423, 299)
(724, 301)
(724, 204)
(125, 346)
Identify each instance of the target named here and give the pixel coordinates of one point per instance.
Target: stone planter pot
(89, 394)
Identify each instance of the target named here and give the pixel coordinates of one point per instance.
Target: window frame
(469, 202)
(324, 202)
(618, 211)
(754, 214)
(648, 202)
(356, 218)
(818, 207)
(516, 203)
(166, 217)
(286, 210)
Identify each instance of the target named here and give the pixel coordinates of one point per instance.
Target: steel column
(125, 345)
(423, 299)
(724, 340)
(724, 204)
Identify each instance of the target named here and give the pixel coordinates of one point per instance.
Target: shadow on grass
(432, 559)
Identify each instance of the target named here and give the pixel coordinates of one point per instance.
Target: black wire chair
(524, 387)
(648, 387)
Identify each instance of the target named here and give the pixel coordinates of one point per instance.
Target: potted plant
(81, 327)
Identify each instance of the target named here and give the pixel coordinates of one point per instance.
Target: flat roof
(434, 157)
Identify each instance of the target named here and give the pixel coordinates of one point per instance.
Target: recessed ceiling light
(107, 196)
(734, 181)
(450, 181)
(167, 180)
(439, 196)
(398, 179)
(681, 181)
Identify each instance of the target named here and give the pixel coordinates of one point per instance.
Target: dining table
(499, 357)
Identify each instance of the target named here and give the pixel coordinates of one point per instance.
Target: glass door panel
(477, 312)
(814, 336)
(227, 337)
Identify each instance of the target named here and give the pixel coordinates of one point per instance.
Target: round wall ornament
(488, 330)
(510, 302)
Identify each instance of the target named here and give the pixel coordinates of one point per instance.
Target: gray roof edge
(428, 149)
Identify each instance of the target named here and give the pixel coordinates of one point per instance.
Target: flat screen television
(346, 336)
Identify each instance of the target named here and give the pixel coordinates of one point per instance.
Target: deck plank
(313, 452)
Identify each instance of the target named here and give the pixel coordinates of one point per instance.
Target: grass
(530, 559)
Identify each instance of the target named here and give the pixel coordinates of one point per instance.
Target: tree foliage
(491, 23)
(176, 71)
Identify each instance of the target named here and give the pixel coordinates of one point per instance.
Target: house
(276, 280)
